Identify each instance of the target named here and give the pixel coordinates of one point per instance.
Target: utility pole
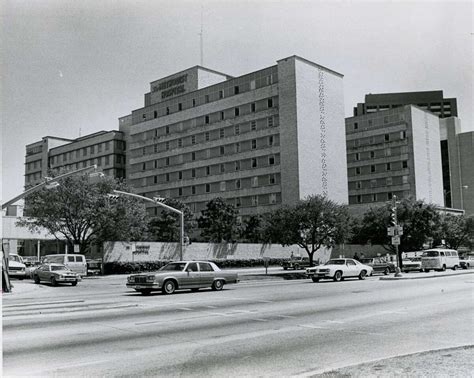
(395, 231)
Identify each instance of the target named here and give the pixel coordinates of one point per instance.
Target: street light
(159, 201)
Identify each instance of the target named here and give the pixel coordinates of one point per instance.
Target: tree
(82, 212)
(165, 227)
(218, 222)
(311, 224)
(418, 219)
(251, 229)
(457, 231)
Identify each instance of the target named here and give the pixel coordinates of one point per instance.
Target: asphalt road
(255, 328)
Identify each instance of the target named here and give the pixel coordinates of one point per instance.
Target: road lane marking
(185, 309)
(311, 326)
(286, 316)
(42, 303)
(333, 321)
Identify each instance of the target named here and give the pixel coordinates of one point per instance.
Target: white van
(439, 259)
(16, 266)
(77, 263)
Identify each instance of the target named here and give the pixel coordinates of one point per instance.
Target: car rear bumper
(145, 285)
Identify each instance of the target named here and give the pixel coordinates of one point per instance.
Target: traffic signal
(393, 215)
(159, 199)
(113, 197)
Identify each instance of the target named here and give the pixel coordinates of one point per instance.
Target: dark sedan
(55, 274)
(379, 265)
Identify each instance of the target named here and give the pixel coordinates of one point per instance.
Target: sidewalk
(421, 275)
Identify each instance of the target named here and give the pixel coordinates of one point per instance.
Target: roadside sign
(77, 248)
(390, 231)
(396, 240)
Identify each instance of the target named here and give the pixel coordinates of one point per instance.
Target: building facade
(260, 140)
(59, 155)
(393, 152)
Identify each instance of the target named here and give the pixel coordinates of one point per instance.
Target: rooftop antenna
(201, 38)
(80, 131)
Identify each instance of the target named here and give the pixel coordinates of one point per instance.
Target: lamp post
(158, 201)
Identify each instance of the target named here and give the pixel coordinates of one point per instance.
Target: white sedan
(338, 269)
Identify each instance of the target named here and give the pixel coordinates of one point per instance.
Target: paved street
(264, 328)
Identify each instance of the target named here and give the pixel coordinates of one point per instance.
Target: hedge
(118, 267)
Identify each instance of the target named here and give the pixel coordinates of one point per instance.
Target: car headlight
(150, 278)
(130, 279)
(61, 276)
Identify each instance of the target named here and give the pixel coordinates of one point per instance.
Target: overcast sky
(71, 67)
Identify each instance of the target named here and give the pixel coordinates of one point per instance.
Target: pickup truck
(296, 263)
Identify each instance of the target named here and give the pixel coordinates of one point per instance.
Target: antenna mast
(201, 37)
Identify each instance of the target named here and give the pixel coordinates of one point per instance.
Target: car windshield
(366, 261)
(14, 258)
(431, 254)
(336, 262)
(176, 267)
(58, 267)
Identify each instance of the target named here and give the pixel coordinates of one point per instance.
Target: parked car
(466, 261)
(439, 259)
(380, 265)
(94, 266)
(16, 266)
(55, 274)
(295, 263)
(412, 265)
(338, 269)
(182, 275)
(75, 262)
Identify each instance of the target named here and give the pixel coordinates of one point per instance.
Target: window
(254, 144)
(155, 114)
(180, 191)
(167, 161)
(236, 112)
(388, 181)
(144, 167)
(373, 183)
(270, 140)
(167, 130)
(270, 121)
(194, 102)
(357, 170)
(404, 164)
(254, 163)
(193, 156)
(84, 151)
(193, 139)
(272, 198)
(372, 168)
(155, 148)
(167, 177)
(405, 179)
(369, 122)
(356, 125)
(271, 160)
(193, 189)
(237, 184)
(206, 98)
(193, 173)
(253, 125)
(374, 197)
(388, 152)
(237, 165)
(144, 116)
(206, 136)
(222, 116)
(237, 147)
(221, 94)
(180, 175)
(208, 171)
(238, 203)
(222, 168)
(180, 106)
(221, 133)
(387, 137)
(167, 110)
(389, 195)
(252, 107)
(208, 188)
(388, 166)
(180, 143)
(155, 179)
(254, 182)
(357, 156)
(222, 186)
(237, 129)
(359, 199)
(359, 185)
(254, 200)
(144, 151)
(270, 102)
(372, 154)
(206, 120)
(385, 119)
(155, 165)
(236, 89)
(221, 150)
(403, 134)
(107, 160)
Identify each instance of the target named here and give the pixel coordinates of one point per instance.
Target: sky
(71, 68)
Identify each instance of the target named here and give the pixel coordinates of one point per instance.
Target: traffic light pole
(157, 201)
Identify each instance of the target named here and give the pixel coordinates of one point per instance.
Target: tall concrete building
(260, 140)
(393, 152)
(52, 154)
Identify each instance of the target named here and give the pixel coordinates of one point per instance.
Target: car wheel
(427, 270)
(386, 271)
(285, 268)
(296, 267)
(54, 282)
(169, 287)
(37, 280)
(315, 279)
(443, 268)
(217, 285)
(455, 267)
(362, 275)
(74, 283)
(337, 276)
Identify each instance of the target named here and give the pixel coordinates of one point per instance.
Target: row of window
(99, 161)
(374, 168)
(377, 183)
(32, 165)
(376, 139)
(374, 154)
(84, 151)
(375, 197)
(219, 94)
(207, 137)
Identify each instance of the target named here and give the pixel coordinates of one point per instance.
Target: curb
(424, 277)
